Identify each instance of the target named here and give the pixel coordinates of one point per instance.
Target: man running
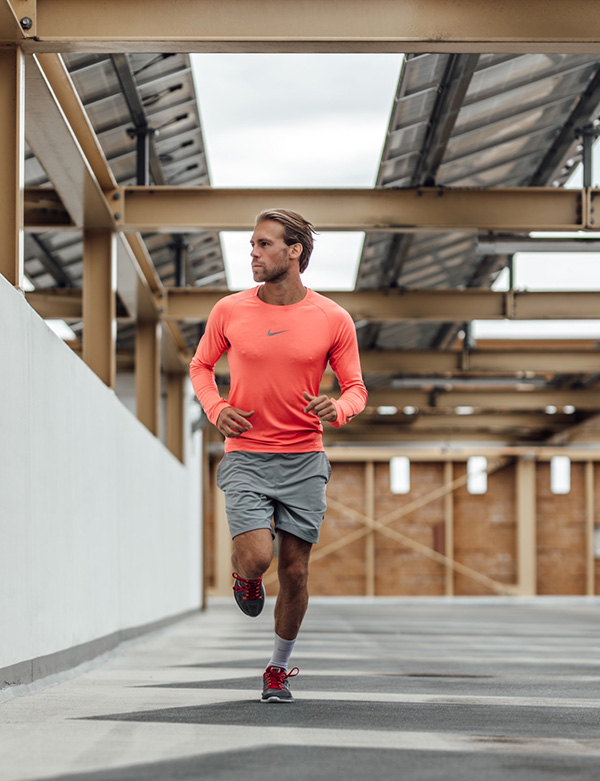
(279, 337)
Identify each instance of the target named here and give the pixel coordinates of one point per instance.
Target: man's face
(272, 259)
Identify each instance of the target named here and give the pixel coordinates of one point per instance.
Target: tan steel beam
(99, 303)
(58, 303)
(426, 421)
(470, 304)
(526, 526)
(444, 452)
(437, 362)
(208, 503)
(147, 374)
(447, 400)
(80, 156)
(480, 361)
(44, 211)
(58, 77)
(65, 304)
(54, 144)
(349, 435)
(46, 216)
(10, 27)
(395, 435)
(186, 209)
(195, 304)
(349, 26)
(490, 400)
(12, 121)
(175, 417)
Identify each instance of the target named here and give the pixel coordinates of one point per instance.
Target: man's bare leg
(290, 608)
(251, 557)
(252, 553)
(292, 600)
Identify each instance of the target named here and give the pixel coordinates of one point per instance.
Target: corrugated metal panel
(513, 110)
(166, 91)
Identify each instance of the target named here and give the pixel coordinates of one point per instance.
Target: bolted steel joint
(26, 23)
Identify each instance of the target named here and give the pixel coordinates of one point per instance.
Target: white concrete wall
(99, 523)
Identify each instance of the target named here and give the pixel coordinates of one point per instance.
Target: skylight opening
(296, 120)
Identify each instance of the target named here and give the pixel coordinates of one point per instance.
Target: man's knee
(293, 573)
(252, 553)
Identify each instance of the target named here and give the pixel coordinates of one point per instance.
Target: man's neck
(279, 294)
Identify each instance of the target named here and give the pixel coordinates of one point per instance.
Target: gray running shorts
(287, 488)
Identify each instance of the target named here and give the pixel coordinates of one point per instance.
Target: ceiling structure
(459, 120)
(477, 121)
(128, 97)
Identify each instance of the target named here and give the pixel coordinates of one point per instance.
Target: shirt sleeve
(211, 347)
(345, 362)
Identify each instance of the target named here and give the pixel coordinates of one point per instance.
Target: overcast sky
(296, 120)
(320, 121)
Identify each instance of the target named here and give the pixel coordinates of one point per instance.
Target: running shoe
(275, 685)
(249, 595)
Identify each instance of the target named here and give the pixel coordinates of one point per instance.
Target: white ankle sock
(281, 652)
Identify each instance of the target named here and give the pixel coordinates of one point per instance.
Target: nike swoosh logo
(274, 333)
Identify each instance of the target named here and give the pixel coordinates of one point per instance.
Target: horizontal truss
(377, 210)
(194, 304)
(381, 209)
(309, 26)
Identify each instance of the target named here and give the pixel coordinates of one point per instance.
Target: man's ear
(296, 250)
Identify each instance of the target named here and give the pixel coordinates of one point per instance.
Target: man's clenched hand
(232, 421)
(322, 406)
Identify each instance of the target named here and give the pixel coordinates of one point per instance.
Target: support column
(99, 303)
(370, 538)
(590, 561)
(208, 491)
(223, 548)
(526, 527)
(175, 414)
(449, 526)
(12, 121)
(147, 374)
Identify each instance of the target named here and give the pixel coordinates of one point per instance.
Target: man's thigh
(300, 499)
(292, 550)
(286, 487)
(248, 505)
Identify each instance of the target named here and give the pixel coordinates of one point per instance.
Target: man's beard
(274, 274)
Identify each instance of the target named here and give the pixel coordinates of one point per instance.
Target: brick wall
(399, 569)
(341, 572)
(484, 533)
(484, 530)
(561, 534)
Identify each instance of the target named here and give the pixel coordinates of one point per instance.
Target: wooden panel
(401, 570)
(484, 531)
(561, 521)
(343, 572)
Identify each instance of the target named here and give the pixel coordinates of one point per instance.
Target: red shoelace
(275, 677)
(249, 588)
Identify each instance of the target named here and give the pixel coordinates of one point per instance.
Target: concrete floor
(418, 690)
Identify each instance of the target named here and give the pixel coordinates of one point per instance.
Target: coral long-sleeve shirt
(275, 353)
